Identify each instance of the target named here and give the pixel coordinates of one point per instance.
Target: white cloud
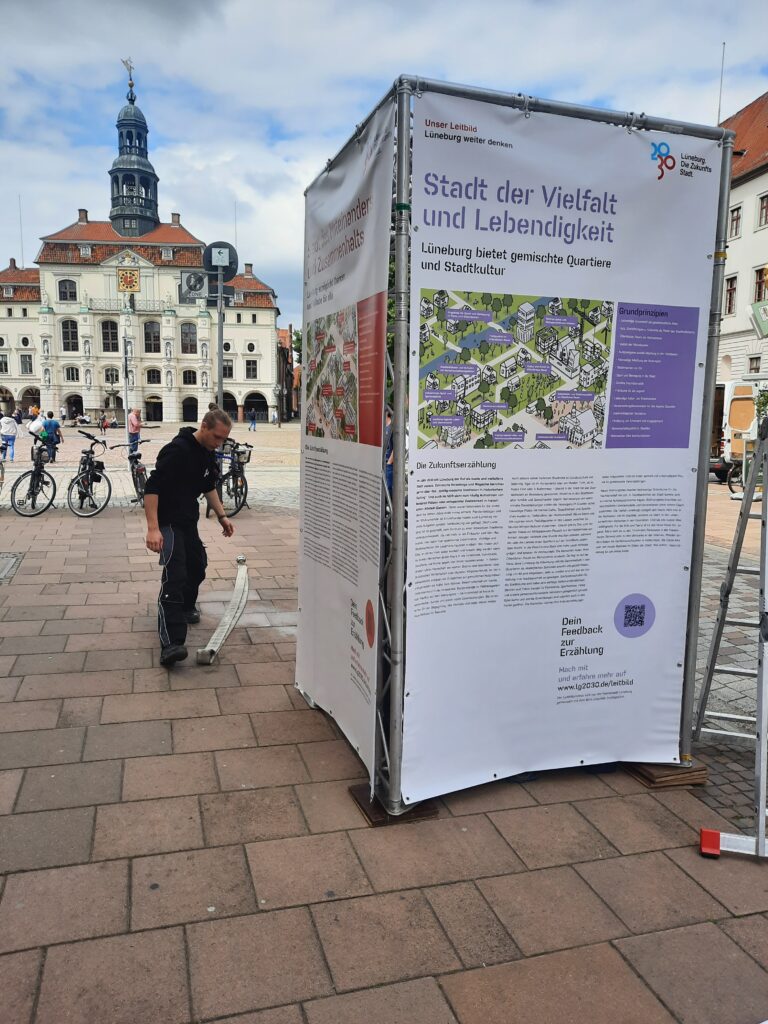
(246, 100)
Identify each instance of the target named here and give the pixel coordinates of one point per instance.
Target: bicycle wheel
(139, 483)
(33, 493)
(735, 478)
(87, 496)
(233, 490)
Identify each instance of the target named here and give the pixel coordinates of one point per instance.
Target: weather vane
(129, 66)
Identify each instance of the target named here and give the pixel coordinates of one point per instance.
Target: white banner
(560, 284)
(348, 213)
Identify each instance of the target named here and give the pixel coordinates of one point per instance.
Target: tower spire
(133, 179)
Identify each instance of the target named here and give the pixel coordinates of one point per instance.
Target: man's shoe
(192, 616)
(173, 653)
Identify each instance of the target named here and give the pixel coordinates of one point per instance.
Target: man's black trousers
(184, 560)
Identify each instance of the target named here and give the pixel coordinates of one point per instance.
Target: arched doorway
(255, 400)
(189, 410)
(28, 398)
(74, 405)
(154, 409)
(7, 403)
(230, 405)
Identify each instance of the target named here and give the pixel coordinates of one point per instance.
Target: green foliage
(483, 387)
(466, 355)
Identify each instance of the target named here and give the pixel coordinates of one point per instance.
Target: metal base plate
(375, 814)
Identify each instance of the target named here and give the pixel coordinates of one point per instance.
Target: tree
(486, 298)
(548, 414)
(507, 300)
(505, 394)
(297, 343)
(496, 304)
(483, 387)
(466, 355)
(479, 443)
(488, 440)
(540, 405)
(484, 346)
(440, 314)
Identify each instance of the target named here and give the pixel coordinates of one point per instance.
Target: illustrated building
(454, 436)
(426, 308)
(64, 326)
(580, 427)
(508, 367)
(526, 316)
(546, 339)
(441, 299)
(587, 375)
(488, 374)
(482, 418)
(424, 332)
(432, 382)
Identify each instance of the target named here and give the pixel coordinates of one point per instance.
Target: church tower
(132, 177)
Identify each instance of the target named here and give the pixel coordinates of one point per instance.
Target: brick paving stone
(22, 627)
(96, 661)
(550, 909)
(146, 778)
(151, 680)
(33, 613)
(258, 768)
(9, 688)
(226, 732)
(650, 893)
(284, 963)
(32, 645)
(18, 985)
(547, 836)
(700, 974)
(558, 786)
(291, 727)
(636, 824)
(200, 677)
(248, 654)
(751, 933)
(373, 940)
(493, 796)
(247, 699)
(70, 785)
(45, 839)
(79, 684)
(46, 746)
(132, 739)
(9, 787)
(689, 807)
(59, 905)
(251, 816)
(476, 933)
(431, 852)
(198, 885)
(307, 869)
(281, 1015)
(145, 707)
(329, 807)
(739, 883)
(328, 760)
(592, 984)
(27, 715)
(407, 1003)
(147, 826)
(101, 644)
(270, 634)
(268, 673)
(126, 979)
(47, 664)
(70, 627)
(80, 711)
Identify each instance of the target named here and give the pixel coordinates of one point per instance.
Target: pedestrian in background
(102, 421)
(134, 430)
(53, 437)
(251, 419)
(63, 414)
(8, 432)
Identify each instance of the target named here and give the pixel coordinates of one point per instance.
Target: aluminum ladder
(713, 842)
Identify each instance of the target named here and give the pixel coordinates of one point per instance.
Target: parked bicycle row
(90, 489)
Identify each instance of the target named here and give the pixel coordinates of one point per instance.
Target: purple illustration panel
(651, 391)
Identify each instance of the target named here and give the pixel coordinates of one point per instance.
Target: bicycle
(34, 491)
(232, 486)
(90, 489)
(138, 469)
(735, 478)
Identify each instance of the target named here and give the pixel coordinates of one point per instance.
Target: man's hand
(154, 541)
(226, 526)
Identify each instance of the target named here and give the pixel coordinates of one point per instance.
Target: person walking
(17, 415)
(102, 421)
(134, 430)
(53, 437)
(185, 469)
(63, 414)
(252, 419)
(9, 430)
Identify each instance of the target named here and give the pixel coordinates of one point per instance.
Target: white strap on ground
(232, 613)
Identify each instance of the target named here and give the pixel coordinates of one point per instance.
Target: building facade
(743, 352)
(125, 300)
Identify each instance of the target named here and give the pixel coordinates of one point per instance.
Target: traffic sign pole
(221, 258)
(220, 312)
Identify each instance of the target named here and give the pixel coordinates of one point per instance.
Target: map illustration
(512, 370)
(332, 392)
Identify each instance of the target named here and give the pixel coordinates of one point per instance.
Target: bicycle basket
(98, 469)
(41, 455)
(243, 456)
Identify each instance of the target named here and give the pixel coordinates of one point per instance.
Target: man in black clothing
(185, 469)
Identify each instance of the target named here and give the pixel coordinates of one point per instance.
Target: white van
(734, 420)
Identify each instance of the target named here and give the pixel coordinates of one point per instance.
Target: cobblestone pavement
(180, 846)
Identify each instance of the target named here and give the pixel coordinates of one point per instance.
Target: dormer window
(166, 254)
(238, 296)
(67, 291)
(85, 251)
(7, 291)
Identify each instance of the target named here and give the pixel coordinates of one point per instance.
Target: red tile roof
(102, 231)
(249, 283)
(69, 253)
(751, 127)
(14, 275)
(283, 337)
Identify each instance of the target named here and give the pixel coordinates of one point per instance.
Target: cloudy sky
(247, 99)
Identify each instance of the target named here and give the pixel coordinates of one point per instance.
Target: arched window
(67, 291)
(154, 377)
(129, 137)
(144, 186)
(121, 139)
(139, 139)
(189, 377)
(111, 375)
(69, 342)
(188, 340)
(129, 184)
(71, 374)
(152, 337)
(109, 341)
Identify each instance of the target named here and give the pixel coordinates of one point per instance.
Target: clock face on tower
(127, 280)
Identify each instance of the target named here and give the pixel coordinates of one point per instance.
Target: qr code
(634, 615)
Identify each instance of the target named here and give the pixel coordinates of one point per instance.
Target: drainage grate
(9, 563)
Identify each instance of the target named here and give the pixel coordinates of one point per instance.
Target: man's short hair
(50, 415)
(212, 406)
(214, 416)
